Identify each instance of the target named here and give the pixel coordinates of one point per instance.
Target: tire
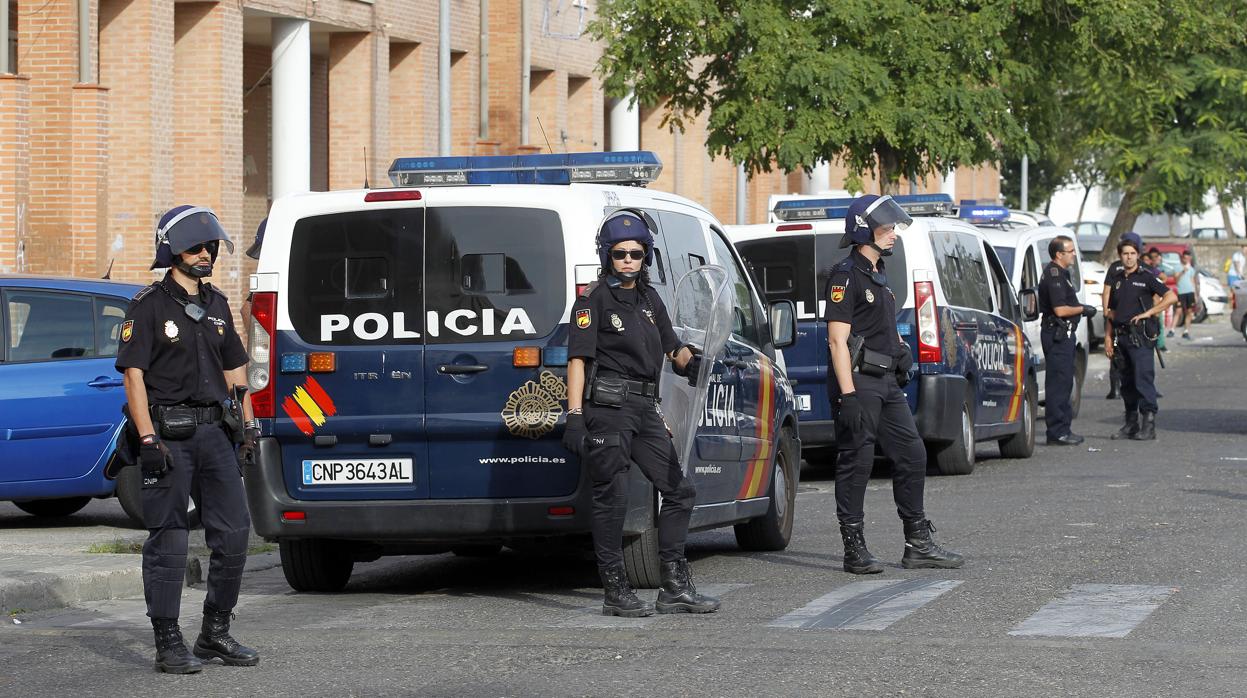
(821, 457)
(1201, 313)
(773, 530)
(957, 458)
(640, 555)
(1080, 376)
(53, 507)
(316, 564)
(1022, 444)
(483, 550)
(129, 493)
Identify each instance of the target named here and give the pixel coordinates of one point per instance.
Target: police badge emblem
(171, 330)
(870, 297)
(616, 322)
(837, 294)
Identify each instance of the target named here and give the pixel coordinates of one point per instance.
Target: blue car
(60, 397)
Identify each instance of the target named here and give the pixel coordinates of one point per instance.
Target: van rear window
(829, 252)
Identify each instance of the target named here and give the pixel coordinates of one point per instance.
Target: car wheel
(957, 458)
(1080, 375)
(53, 507)
(640, 555)
(1022, 444)
(130, 494)
(483, 550)
(1201, 312)
(773, 530)
(316, 564)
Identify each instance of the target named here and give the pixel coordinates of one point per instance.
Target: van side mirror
(1028, 298)
(783, 324)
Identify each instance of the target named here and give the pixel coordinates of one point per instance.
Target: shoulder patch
(1054, 271)
(127, 330)
(583, 318)
(589, 289)
(837, 294)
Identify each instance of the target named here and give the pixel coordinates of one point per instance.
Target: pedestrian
(1130, 339)
(1061, 309)
(1238, 267)
(181, 358)
(620, 335)
(1188, 292)
(870, 363)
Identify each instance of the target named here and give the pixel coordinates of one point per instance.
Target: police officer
(181, 356)
(865, 390)
(620, 333)
(1132, 338)
(1110, 276)
(1058, 301)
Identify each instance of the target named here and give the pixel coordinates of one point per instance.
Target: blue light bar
(636, 168)
(826, 209)
(982, 214)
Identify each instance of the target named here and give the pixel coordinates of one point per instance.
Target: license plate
(357, 471)
(803, 402)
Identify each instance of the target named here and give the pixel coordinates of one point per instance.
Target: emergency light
(973, 212)
(636, 168)
(826, 209)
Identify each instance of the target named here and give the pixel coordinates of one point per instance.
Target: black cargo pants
(1058, 352)
(206, 470)
(888, 423)
(619, 437)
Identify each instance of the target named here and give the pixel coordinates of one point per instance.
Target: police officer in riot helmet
(1130, 339)
(869, 364)
(620, 336)
(1061, 309)
(184, 368)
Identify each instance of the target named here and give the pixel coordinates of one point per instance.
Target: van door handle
(106, 382)
(460, 369)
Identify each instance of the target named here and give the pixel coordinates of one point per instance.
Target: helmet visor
(885, 211)
(192, 227)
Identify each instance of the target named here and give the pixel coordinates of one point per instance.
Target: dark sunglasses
(620, 255)
(211, 246)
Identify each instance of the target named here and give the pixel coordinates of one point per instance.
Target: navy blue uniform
(622, 334)
(1132, 293)
(183, 363)
(1057, 337)
(860, 297)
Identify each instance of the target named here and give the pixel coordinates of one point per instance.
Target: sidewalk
(90, 556)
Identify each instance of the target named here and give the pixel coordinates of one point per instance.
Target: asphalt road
(1111, 569)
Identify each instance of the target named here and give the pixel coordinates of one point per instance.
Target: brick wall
(88, 180)
(14, 168)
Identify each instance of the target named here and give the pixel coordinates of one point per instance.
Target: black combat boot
(1147, 430)
(1129, 429)
(1113, 381)
(921, 550)
(172, 657)
(620, 599)
(857, 559)
(678, 594)
(215, 641)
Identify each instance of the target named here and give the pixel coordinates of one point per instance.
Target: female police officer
(181, 356)
(865, 390)
(620, 332)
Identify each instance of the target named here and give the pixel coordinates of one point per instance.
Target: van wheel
(129, 493)
(53, 507)
(640, 555)
(773, 530)
(316, 564)
(957, 458)
(1022, 444)
(483, 550)
(1080, 375)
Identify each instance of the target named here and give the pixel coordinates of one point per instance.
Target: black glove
(250, 447)
(849, 418)
(1088, 311)
(904, 365)
(574, 434)
(154, 457)
(692, 369)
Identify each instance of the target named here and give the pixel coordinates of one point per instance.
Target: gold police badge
(533, 409)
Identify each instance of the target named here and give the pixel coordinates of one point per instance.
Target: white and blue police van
(408, 354)
(1023, 251)
(956, 308)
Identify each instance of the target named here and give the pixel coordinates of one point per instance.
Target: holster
(231, 417)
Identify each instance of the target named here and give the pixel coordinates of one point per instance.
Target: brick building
(112, 111)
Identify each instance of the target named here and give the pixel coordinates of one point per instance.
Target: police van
(1024, 253)
(955, 307)
(408, 357)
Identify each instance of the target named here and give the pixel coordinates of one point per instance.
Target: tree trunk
(1225, 217)
(1086, 191)
(889, 169)
(1122, 222)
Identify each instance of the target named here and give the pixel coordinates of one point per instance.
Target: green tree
(896, 87)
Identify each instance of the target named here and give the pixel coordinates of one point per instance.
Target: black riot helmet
(183, 228)
(866, 214)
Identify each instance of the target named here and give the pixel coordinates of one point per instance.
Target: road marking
(1095, 610)
(866, 605)
(591, 616)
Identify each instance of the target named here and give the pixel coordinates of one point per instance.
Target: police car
(408, 365)
(1024, 253)
(956, 309)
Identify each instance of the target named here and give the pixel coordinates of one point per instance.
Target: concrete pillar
(15, 166)
(948, 184)
(292, 102)
(817, 179)
(625, 125)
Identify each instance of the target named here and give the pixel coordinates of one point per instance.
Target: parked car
(1213, 233)
(60, 397)
(1238, 316)
(1213, 298)
(1093, 274)
(1091, 235)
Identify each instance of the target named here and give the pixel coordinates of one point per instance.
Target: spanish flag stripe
(300, 420)
(1020, 381)
(321, 397)
(309, 406)
(759, 465)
